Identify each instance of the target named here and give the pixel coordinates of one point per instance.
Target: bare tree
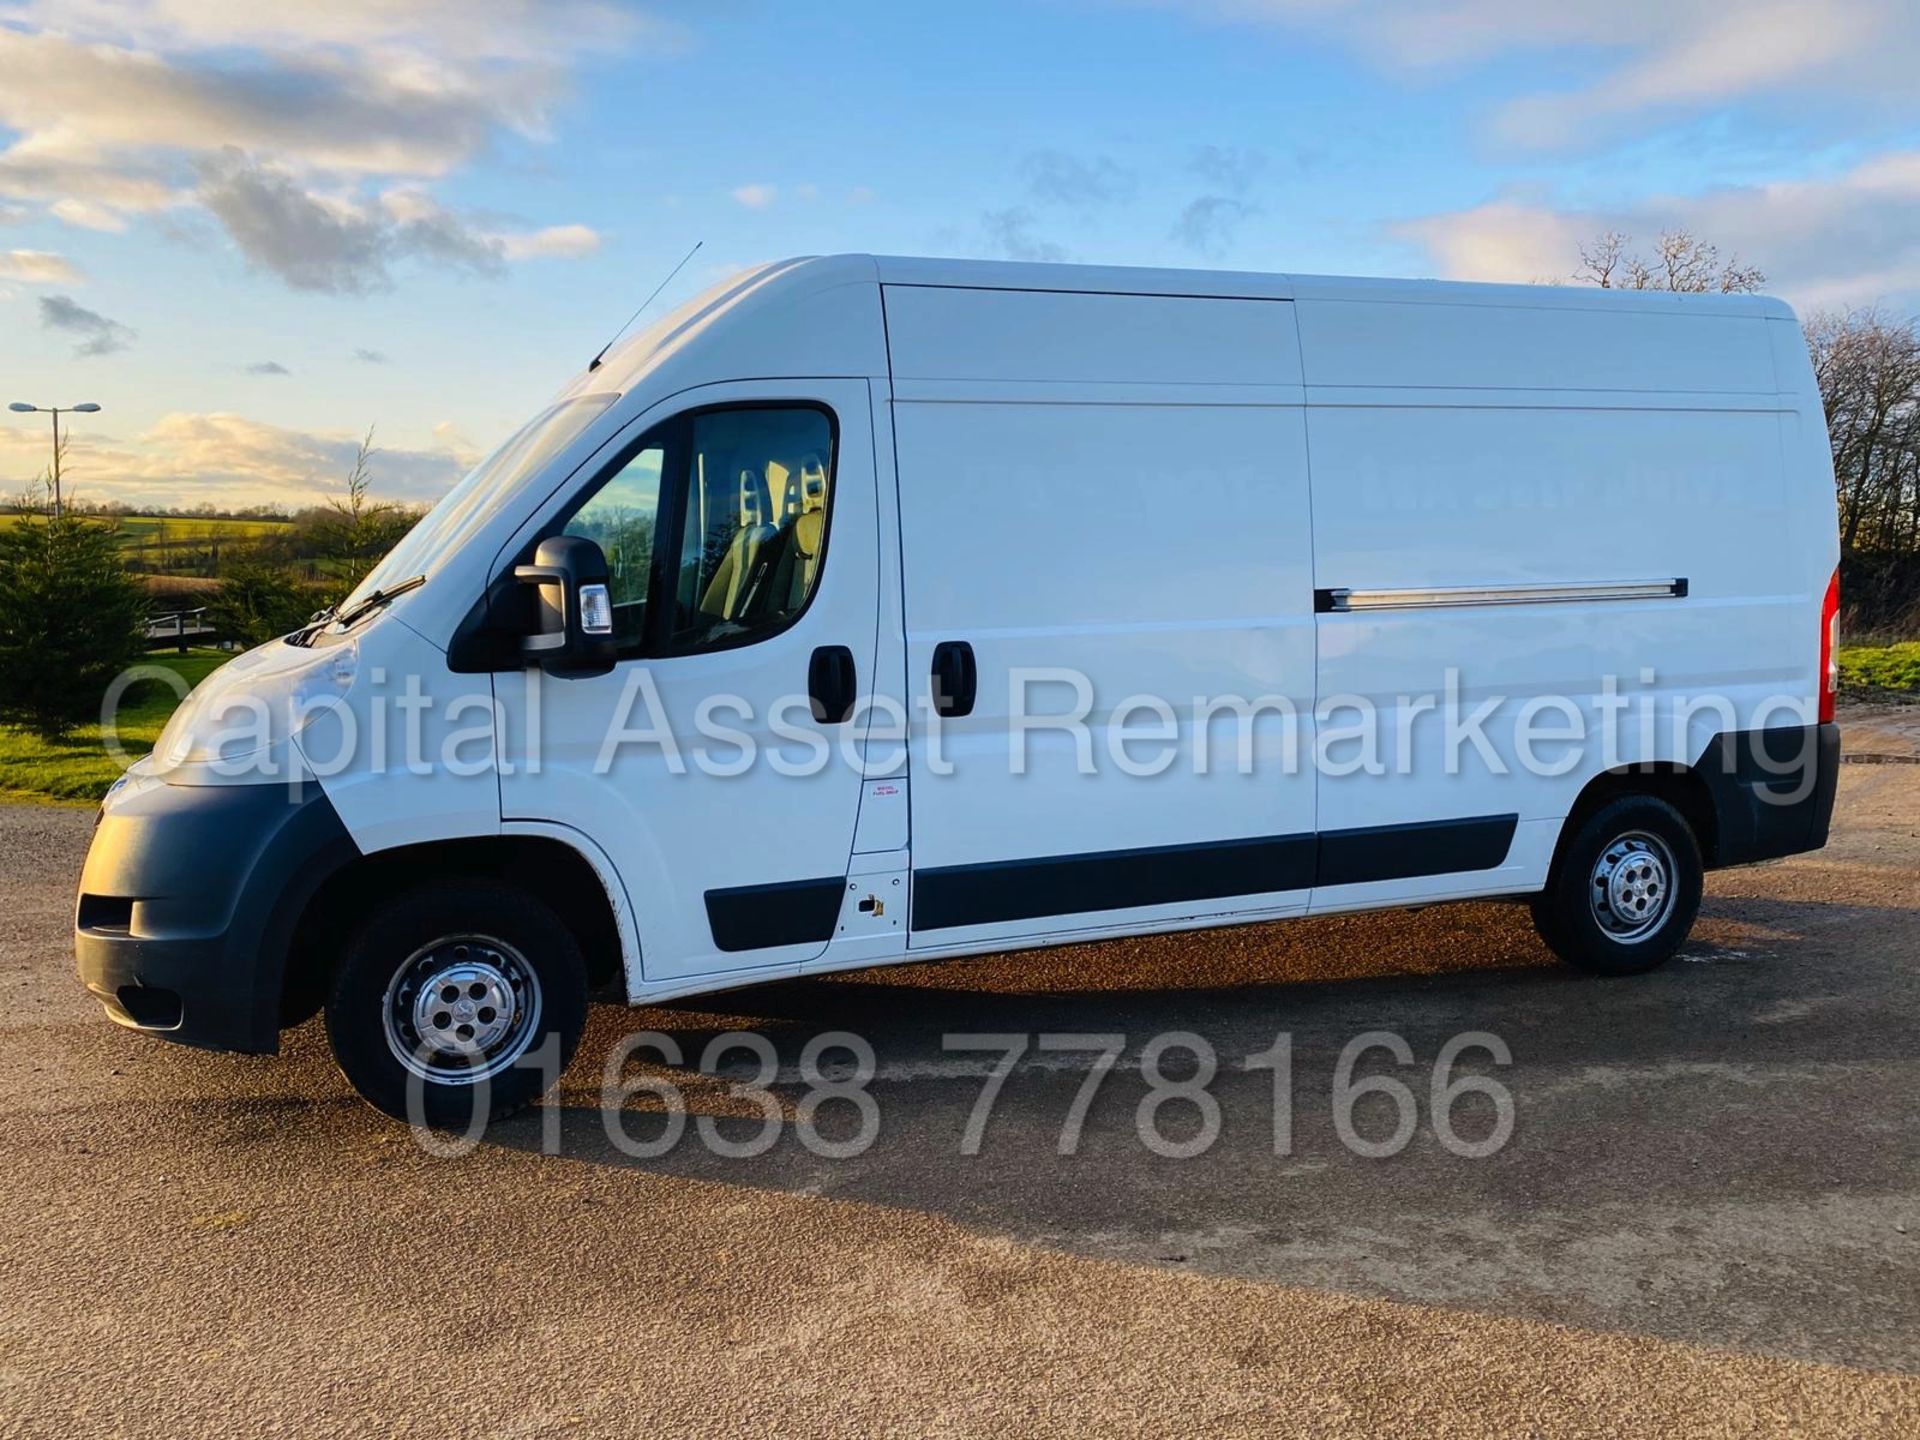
(1681, 262)
(355, 508)
(1600, 259)
(355, 530)
(43, 491)
(1868, 366)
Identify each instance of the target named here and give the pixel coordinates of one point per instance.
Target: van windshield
(477, 498)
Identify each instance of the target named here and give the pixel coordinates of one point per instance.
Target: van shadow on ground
(1720, 1152)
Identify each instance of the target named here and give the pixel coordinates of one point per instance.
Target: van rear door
(1107, 584)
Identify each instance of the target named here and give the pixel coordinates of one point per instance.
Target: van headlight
(255, 702)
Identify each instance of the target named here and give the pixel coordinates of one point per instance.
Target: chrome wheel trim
(461, 1009)
(1633, 887)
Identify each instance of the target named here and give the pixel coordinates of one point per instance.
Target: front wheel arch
(551, 870)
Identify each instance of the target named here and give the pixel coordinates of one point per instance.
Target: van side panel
(1503, 446)
(1462, 342)
(1105, 498)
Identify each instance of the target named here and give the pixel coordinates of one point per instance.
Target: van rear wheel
(1625, 889)
(446, 996)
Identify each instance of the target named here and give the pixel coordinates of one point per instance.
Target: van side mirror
(573, 609)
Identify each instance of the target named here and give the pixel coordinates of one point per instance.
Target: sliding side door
(1108, 591)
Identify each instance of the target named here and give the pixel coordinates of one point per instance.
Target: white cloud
(88, 215)
(755, 197)
(1658, 54)
(38, 267)
(86, 103)
(563, 242)
(550, 31)
(1504, 240)
(225, 459)
(1850, 239)
(118, 109)
(453, 440)
(339, 243)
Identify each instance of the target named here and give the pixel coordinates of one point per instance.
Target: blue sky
(250, 236)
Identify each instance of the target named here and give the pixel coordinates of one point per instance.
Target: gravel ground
(1705, 1221)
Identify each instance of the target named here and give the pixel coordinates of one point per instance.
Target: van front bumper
(189, 903)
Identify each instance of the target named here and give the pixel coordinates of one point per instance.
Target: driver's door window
(755, 528)
(720, 521)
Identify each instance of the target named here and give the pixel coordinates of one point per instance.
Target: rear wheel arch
(549, 869)
(1681, 786)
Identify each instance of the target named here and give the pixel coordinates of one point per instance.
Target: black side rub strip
(1405, 852)
(1169, 874)
(759, 917)
(1067, 884)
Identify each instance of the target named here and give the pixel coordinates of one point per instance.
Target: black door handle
(955, 679)
(830, 684)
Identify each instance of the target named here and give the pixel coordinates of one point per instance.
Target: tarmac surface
(1705, 1219)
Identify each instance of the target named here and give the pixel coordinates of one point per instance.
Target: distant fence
(178, 627)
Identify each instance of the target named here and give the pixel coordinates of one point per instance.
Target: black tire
(516, 953)
(1649, 846)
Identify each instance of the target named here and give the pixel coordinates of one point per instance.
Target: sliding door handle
(955, 679)
(831, 684)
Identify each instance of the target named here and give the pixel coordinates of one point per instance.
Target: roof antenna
(594, 364)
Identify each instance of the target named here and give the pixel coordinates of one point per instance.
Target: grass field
(175, 546)
(169, 529)
(1882, 669)
(78, 769)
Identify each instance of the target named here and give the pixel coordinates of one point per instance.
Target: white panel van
(867, 610)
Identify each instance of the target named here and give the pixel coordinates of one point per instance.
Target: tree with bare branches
(357, 529)
(1868, 366)
(1680, 262)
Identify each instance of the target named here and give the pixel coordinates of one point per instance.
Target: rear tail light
(1830, 650)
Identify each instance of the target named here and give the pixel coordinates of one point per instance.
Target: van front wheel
(1625, 889)
(454, 999)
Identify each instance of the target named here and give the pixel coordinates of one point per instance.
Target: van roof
(1253, 285)
(727, 307)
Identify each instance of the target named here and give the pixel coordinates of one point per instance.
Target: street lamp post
(22, 408)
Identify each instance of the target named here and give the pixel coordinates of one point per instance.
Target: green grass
(175, 546)
(165, 529)
(78, 769)
(1881, 668)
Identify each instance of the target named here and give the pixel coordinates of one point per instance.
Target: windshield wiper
(333, 615)
(375, 599)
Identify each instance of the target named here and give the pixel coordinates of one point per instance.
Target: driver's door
(741, 539)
